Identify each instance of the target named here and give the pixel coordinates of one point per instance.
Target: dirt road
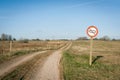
(50, 68)
(47, 69)
(9, 66)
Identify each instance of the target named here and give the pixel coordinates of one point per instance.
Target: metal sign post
(92, 32)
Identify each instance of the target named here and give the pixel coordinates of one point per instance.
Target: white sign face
(92, 31)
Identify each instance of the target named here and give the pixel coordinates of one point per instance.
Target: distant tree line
(82, 38)
(105, 38)
(6, 37)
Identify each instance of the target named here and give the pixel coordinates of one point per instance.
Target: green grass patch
(10, 55)
(76, 67)
(20, 53)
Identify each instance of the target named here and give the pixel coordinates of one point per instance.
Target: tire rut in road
(49, 71)
(22, 71)
(51, 68)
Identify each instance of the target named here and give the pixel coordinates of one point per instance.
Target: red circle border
(92, 27)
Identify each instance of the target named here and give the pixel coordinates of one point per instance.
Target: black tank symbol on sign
(92, 31)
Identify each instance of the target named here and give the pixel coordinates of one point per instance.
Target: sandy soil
(9, 66)
(50, 69)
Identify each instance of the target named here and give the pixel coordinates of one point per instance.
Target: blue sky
(55, 19)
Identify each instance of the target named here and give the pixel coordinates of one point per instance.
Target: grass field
(20, 48)
(31, 45)
(106, 65)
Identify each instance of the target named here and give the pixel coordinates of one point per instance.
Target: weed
(20, 53)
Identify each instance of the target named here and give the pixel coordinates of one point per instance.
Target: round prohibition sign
(92, 31)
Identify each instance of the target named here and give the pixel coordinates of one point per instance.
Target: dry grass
(20, 48)
(75, 61)
(31, 45)
(110, 50)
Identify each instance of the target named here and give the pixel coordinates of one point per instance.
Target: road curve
(50, 69)
(9, 66)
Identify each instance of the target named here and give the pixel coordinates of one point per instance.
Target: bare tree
(3, 36)
(9, 37)
(6, 37)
